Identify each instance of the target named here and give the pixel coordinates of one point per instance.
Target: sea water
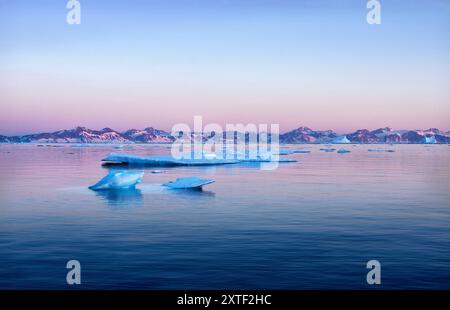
(311, 224)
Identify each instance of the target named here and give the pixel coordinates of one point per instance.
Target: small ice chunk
(380, 150)
(328, 150)
(118, 180)
(269, 160)
(188, 183)
(302, 151)
(343, 151)
(289, 152)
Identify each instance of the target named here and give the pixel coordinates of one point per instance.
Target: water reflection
(122, 197)
(197, 192)
(130, 198)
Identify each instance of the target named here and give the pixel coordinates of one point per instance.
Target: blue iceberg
(163, 161)
(188, 183)
(118, 180)
(341, 140)
(260, 159)
(430, 140)
(328, 150)
(169, 161)
(380, 150)
(343, 151)
(289, 152)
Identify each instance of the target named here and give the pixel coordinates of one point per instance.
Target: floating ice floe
(289, 152)
(268, 160)
(188, 183)
(343, 151)
(381, 150)
(169, 161)
(118, 180)
(163, 161)
(328, 150)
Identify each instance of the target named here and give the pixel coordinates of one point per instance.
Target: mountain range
(299, 135)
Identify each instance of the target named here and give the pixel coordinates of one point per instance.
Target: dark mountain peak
(303, 129)
(362, 131)
(80, 129)
(433, 130)
(381, 130)
(362, 136)
(107, 129)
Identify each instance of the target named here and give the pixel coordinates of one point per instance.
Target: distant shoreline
(301, 135)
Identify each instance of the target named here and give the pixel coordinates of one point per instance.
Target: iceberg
(118, 180)
(430, 140)
(169, 161)
(268, 160)
(188, 183)
(302, 152)
(343, 151)
(380, 150)
(289, 152)
(163, 161)
(328, 150)
(341, 140)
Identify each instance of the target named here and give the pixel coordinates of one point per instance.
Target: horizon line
(169, 131)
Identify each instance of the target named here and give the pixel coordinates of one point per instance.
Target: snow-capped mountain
(381, 135)
(147, 135)
(299, 135)
(76, 135)
(4, 139)
(307, 135)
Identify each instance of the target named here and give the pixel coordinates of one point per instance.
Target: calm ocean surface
(312, 224)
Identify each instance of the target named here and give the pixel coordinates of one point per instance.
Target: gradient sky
(136, 63)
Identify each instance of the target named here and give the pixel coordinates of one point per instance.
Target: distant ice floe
(328, 150)
(341, 140)
(118, 180)
(268, 160)
(169, 161)
(343, 151)
(380, 150)
(164, 160)
(188, 183)
(289, 152)
(80, 145)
